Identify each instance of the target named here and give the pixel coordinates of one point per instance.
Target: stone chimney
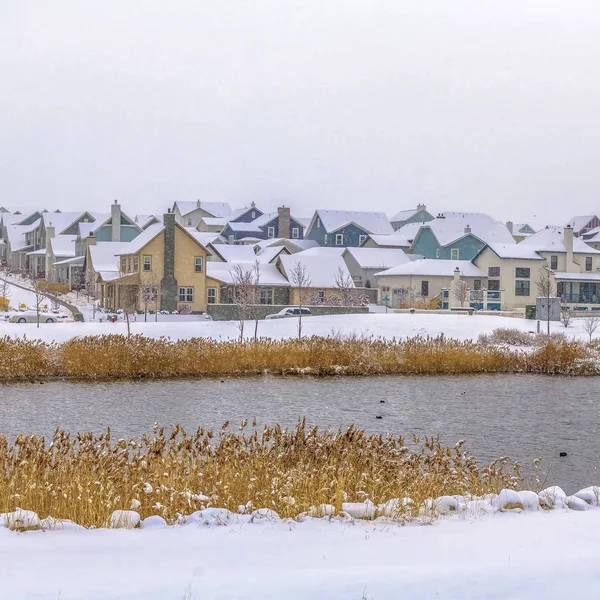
(168, 286)
(468, 229)
(115, 214)
(284, 222)
(568, 243)
(509, 226)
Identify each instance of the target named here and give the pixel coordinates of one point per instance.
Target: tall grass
(84, 477)
(116, 356)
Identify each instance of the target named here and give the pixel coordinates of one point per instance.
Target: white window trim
(453, 251)
(339, 239)
(295, 233)
(186, 294)
(270, 232)
(196, 259)
(149, 262)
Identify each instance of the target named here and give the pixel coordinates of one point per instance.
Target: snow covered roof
(63, 245)
(270, 253)
(144, 220)
(403, 215)
(216, 209)
(15, 235)
(77, 260)
(10, 219)
(63, 220)
(434, 267)
(451, 227)
(269, 274)
(86, 228)
(205, 237)
(410, 230)
(215, 221)
(577, 276)
(394, 240)
(578, 223)
(304, 221)
(296, 245)
(324, 251)
(377, 258)
(235, 253)
(322, 270)
(518, 251)
(371, 222)
(40, 252)
(241, 226)
(104, 256)
(552, 239)
(141, 240)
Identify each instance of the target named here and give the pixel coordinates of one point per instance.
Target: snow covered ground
(462, 327)
(549, 555)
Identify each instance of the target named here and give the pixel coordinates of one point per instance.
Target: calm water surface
(517, 415)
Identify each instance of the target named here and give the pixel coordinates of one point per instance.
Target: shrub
(4, 304)
(506, 336)
(185, 309)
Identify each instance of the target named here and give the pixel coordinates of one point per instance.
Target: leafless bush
(590, 323)
(508, 337)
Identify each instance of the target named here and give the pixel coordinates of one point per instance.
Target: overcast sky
(375, 105)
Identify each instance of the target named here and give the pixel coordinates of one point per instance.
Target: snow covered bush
(508, 337)
(185, 309)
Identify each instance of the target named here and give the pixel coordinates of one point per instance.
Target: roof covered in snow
(269, 274)
(378, 258)
(215, 221)
(394, 240)
(403, 215)
(579, 222)
(452, 226)
(235, 253)
(15, 235)
(551, 239)
(63, 245)
(434, 268)
(561, 276)
(205, 238)
(517, 251)
(216, 209)
(371, 222)
(141, 240)
(104, 256)
(324, 251)
(323, 271)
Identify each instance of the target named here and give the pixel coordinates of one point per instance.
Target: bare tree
(39, 287)
(242, 278)
(460, 291)
(565, 316)
(256, 297)
(4, 287)
(127, 296)
(590, 323)
(302, 281)
(545, 287)
(149, 292)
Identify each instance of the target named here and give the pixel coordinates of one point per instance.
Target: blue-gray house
(346, 228)
(278, 224)
(459, 236)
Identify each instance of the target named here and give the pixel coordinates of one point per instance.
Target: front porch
(579, 291)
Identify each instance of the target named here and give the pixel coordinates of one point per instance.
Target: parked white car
(292, 311)
(32, 318)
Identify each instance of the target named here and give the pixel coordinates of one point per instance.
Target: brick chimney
(284, 222)
(90, 240)
(115, 219)
(168, 287)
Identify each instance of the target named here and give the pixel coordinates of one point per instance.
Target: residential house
(279, 224)
(459, 236)
(166, 262)
(144, 221)
(20, 240)
(102, 267)
(413, 215)
(592, 238)
(363, 263)
(189, 214)
(395, 240)
(343, 228)
(583, 224)
(519, 231)
(427, 283)
(323, 277)
(241, 215)
(292, 246)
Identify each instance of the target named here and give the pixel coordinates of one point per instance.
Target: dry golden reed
(171, 473)
(117, 356)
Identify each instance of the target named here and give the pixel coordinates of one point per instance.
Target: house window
(147, 263)
(198, 264)
(339, 239)
(212, 295)
(476, 284)
(189, 222)
(266, 296)
(186, 294)
(437, 252)
(326, 239)
(361, 239)
(253, 214)
(554, 262)
(136, 263)
(493, 271)
(454, 254)
(129, 264)
(522, 288)
(321, 295)
(493, 285)
(424, 289)
(123, 264)
(318, 223)
(522, 273)
(271, 232)
(295, 233)
(231, 239)
(588, 263)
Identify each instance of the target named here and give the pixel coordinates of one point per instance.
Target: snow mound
(477, 508)
(590, 495)
(124, 519)
(52, 524)
(394, 507)
(529, 500)
(154, 522)
(552, 497)
(20, 519)
(508, 500)
(323, 510)
(575, 503)
(359, 510)
(264, 514)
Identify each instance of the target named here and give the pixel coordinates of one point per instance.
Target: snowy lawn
(462, 327)
(546, 555)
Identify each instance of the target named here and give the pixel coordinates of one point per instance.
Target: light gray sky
(376, 105)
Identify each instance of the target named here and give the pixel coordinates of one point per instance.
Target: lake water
(517, 415)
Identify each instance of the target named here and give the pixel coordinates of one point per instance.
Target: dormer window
(253, 214)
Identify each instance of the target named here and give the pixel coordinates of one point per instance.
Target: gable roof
(551, 239)
(224, 272)
(393, 240)
(579, 222)
(403, 215)
(324, 251)
(515, 251)
(237, 253)
(322, 270)
(205, 237)
(104, 256)
(450, 227)
(142, 240)
(63, 245)
(371, 222)
(377, 258)
(216, 209)
(434, 267)
(15, 235)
